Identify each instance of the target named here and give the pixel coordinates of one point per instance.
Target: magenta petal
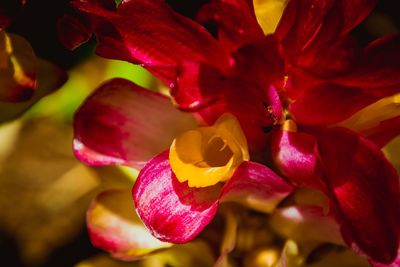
(257, 186)
(310, 23)
(73, 31)
(236, 20)
(149, 32)
(173, 211)
(296, 156)
(365, 192)
(122, 123)
(379, 68)
(329, 104)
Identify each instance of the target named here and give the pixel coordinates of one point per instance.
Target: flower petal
(236, 20)
(72, 31)
(172, 211)
(380, 122)
(379, 68)
(269, 13)
(211, 92)
(50, 77)
(306, 224)
(329, 103)
(18, 68)
(364, 189)
(256, 186)
(149, 32)
(295, 155)
(122, 123)
(310, 23)
(114, 227)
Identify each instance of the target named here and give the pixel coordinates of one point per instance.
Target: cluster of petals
(292, 92)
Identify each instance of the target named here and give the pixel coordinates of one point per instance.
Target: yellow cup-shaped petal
(208, 155)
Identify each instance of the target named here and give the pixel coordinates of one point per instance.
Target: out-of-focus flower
(192, 254)
(288, 90)
(42, 207)
(24, 79)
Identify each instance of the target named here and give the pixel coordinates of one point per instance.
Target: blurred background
(44, 190)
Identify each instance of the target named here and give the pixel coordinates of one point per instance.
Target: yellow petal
(269, 13)
(372, 115)
(208, 155)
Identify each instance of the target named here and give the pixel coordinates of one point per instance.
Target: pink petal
(296, 156)
(149, 32)
(173, 211)
(177, 213)
(256, 186)
(114, 226)
(329, 103)
(122, 123)
(237, 24)
(365, 192)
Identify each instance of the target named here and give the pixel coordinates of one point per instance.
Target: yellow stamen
(208, 155)
(289, 126)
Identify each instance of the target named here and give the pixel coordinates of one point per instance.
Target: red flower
(308, 76)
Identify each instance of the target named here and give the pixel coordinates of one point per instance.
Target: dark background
(37, 24)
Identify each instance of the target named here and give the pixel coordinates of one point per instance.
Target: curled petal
(177, 213)
(172, 211)
(18, 68)
(256, 186)
(114, 227)
(295, 155)
(364, 191)
(122, 123)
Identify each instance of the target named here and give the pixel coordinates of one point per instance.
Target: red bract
(308, 76)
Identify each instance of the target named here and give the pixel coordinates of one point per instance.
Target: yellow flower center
(208, 155)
